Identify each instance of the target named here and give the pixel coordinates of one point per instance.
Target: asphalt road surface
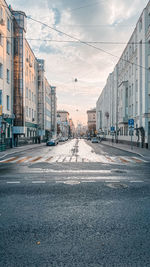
(76, 204)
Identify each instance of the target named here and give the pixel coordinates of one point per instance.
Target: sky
(78, 71)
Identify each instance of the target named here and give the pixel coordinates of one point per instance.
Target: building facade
(91, 122)
(127, 92)
(28, 103)
(64, 123)
(48, 106)
(6, 75)
(53, 111)
(31, 91)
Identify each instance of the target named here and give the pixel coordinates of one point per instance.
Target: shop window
(1, 95)
(7, 101)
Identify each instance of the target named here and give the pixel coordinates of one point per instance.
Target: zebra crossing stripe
(23, 160)
(47, 160)
(36, 159)
(9, 160)
(123, 160)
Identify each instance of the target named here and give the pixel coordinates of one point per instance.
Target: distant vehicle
(94, 140)
(62, 139)
(52, 142)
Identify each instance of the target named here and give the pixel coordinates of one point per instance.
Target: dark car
(52, 142)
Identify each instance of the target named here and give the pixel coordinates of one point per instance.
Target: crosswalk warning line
(136, 160)
(109, 158)
(10, 160)
(23, 160)
(47, 160)
(124, 160)
(36, 159)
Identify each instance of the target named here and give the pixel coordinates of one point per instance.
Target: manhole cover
(117, 186)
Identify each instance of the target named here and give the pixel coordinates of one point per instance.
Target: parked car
(94, 140)
(52, 142)
(62, 139)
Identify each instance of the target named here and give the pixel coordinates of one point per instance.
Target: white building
(127, 91)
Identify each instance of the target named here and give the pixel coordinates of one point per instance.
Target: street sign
(131, 122)
(131, 130)
(112, 129)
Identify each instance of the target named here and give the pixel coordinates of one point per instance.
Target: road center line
(15, 182)
(38, 182)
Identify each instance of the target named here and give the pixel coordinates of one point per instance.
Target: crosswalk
(72, 159)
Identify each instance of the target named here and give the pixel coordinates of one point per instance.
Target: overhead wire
(67, 41)
(83, 42)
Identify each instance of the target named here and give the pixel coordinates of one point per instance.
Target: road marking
(48, 159)
(124, 160)
(9, 160)
(64, 159)
(38, 182)
(17, 182)
(109, 159)
(137, 160)
(136, 181)
(23, 160)
(36, 159)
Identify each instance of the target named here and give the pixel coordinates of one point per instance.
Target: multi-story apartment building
(26, 112)
(53, 111)
(41, 98)
(91, 122)
(128, 93)
(48, 106)
(64, 123)
(71, 128)
(6, 74)
(31, 92)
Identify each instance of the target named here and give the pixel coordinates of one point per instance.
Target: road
(76, 204)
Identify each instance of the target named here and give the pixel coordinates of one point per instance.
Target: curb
(123, 149)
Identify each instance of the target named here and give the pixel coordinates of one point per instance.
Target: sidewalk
(14, 150)
(143, 152)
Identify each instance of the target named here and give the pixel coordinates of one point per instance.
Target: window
(32, 114)
(30, 94)
(1, 13)
(1, 71)
(8, 76)
(29, 112)
(136, 108)
(7, 101)
(1, 39)
(26, 111)
(140, 25)
(1, 97)
(8, 47)
(26, 92)
(8, 24)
